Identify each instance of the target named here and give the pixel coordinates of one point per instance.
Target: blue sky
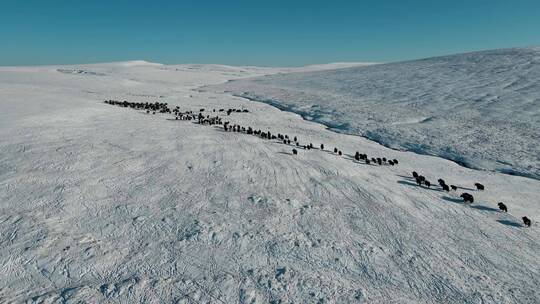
(276, 33)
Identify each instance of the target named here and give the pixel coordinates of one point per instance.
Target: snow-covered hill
(480, 109)
(103, 204)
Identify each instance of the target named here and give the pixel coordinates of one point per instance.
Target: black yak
(395, 161)
(420, 177)
(479, 186)
(414, 174)
(294, 151)
(322, 147)
(502, 207)
(427, 183)
(339, 153)
(367, 161)
(391, 162)
(418, 181)
(467, 198)
(526, 221)
(445, 187)
(453, 187)
(335, 150)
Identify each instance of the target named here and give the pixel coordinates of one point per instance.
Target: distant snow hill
(480, 109)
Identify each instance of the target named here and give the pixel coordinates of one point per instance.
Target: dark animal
(427, 183)
(414, 174)
(335, 150)
(467, 198)
(339, 153)
(479, 186)
(420, 177)
(418, 181)
(322, 147)
(294, 151)
(445, 187)
(502, 207)
(396, 161)
(526, 221)
(453, 187)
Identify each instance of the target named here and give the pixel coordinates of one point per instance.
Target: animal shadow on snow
(220, 129)
(408, 183)
(406, 177)
(484, 208)
(454, 200)
(509, 223)
(286, 153)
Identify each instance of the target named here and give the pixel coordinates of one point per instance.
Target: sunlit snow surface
(102, 204)
(480, 109)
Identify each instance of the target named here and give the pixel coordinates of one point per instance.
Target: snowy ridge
(479, 109)
(113, 205)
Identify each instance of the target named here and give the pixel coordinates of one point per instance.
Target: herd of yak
(467, 197)
(202, 119)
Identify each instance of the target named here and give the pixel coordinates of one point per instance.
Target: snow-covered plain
(480, 109)
(107, 204)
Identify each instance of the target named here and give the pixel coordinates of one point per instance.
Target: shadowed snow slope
(480, 109)
(103, 204)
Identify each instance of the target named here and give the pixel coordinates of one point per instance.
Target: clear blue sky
(270, 32)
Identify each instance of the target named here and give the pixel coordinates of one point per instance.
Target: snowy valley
(101, 203)
(479, 109)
